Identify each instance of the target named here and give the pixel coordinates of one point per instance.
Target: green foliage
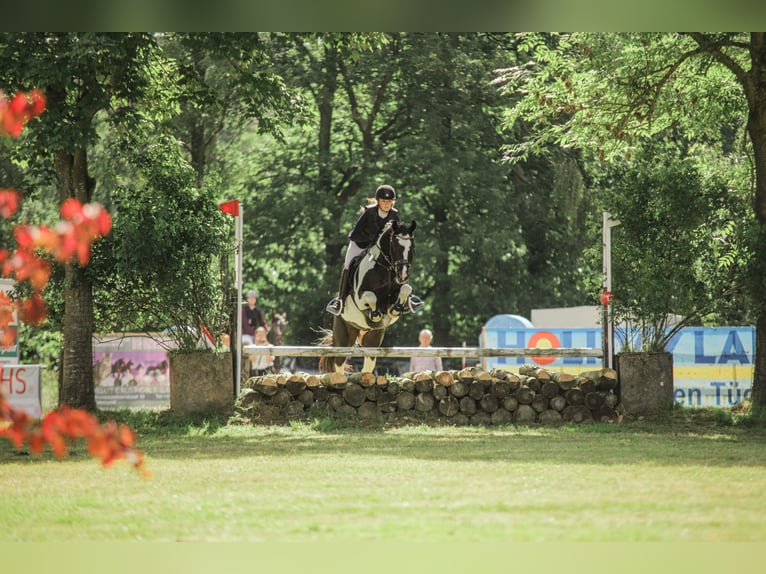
(158, 266)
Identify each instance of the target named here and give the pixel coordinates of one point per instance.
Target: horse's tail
(325, 340)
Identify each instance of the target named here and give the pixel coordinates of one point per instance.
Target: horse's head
(399, 248)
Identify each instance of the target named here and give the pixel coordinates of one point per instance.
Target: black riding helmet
(385, 192)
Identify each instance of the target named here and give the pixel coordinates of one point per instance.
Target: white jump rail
(403, 352)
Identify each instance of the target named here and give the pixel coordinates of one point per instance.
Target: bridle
(394, 267)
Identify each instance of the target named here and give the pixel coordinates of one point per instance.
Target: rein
(390, 265)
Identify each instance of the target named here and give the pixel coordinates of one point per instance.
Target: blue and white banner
(712, 366)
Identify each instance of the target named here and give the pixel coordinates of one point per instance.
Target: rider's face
(385, 205)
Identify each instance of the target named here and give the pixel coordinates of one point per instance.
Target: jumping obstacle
(403, 352)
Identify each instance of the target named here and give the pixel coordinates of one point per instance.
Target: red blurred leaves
(17, 111)
(69, 241)
(109, 442)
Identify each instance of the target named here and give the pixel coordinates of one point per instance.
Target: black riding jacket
(369, 225)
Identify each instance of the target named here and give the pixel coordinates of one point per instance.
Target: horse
(377, 295)
(276, 335)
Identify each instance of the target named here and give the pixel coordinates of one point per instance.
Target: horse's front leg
(371, 339)
(398, 307)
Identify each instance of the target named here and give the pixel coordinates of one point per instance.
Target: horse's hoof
(334, 307)
(415, 303)
(375, 316)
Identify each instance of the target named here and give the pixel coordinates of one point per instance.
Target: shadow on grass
(679, 438)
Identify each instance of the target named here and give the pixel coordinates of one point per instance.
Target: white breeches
(351, 251)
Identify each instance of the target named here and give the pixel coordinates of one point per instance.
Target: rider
(367, 229)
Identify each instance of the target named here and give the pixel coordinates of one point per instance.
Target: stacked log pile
(532, 395)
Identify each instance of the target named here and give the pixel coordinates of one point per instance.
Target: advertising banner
(131, 371)
(712, 366)
(21, 385)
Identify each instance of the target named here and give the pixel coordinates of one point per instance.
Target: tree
(605, 92)
(81, 75)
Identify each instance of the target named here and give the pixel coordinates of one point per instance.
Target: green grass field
(693, 476)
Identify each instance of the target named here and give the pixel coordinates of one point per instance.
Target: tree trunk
(76, 387)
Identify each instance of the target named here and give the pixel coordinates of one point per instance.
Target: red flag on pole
(230, 207)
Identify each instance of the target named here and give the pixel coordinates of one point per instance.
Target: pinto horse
(377, 295)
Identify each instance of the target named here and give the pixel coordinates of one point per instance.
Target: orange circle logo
(544, 340)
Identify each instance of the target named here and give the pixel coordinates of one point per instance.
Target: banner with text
(712, 366)
(21, 385)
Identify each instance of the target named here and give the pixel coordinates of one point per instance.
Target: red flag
(231, 207)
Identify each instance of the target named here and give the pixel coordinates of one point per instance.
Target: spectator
(252, 318)
(261, 364)
(418, 364)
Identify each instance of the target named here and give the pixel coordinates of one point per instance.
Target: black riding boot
(335, 306)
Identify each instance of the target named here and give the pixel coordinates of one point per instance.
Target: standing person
(252, 318)
(261, 364)
(418, 364)
(366, 230)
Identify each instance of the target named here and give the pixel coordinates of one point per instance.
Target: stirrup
(415, 304)
(335, 306)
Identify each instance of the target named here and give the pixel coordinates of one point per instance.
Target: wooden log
(354, 394)
(501, 374)
(565, 381)
(405, 401)
(424, 385)
(334, 380)
(534, 383)
(312, 381)
(607, 380)
(266, 386)
(594, 400)
(335, 401)
(424, 402)
(467, 406)
(306, 397)
(539, 403)
(368, 411)
(524, 415)
(586, 385)
(408, 385)
(549, 389)
(459, 389)
(372, 393)
(381, 380)
(321, 394)
(535, 371)
(476, 390)
(281, 397)
(449, 406)
(424, 376)
(393, 388)
(440, 392)
(362, 379)
(500, 388)
(346, 411)
(550, 417)
(295, 385)
(514, 382)
(575, 397)
(576, 414)
(465, 375)
(525, 395)
(489, 403)
(558, 403)
(481, 375)
(294, 409)
(510, 403)
(501, 417)
(444, 378)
